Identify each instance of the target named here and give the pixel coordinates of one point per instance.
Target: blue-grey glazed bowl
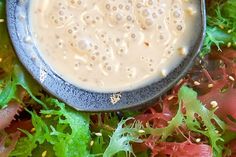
(82, 100)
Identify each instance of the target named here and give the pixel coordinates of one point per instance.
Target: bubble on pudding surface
(146, 16)
(83, 45)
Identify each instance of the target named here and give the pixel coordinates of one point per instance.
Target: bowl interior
(28, 53)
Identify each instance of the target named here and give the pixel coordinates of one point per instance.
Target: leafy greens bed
(196, 118)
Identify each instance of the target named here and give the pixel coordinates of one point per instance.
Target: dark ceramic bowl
(19, 29)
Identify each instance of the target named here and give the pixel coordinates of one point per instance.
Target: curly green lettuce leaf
(217, 37)
(76, 143)
(195, 110)
(105, 125)
(10, 86)
(167, 131)
(221, 25)
(26, 145)
(67, 132)
(196, 117)
(121, 138)
(13, 76)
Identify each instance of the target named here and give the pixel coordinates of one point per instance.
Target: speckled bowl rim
(80, 99)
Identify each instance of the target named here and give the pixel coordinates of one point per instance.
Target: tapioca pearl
(60, 43)
(73, 28)
(77, 65)
(150, 2)
(170, 50)
(121, 6)
(145, 19)
(60, 5)
(100, 83)
(83, 79)
(160, 11)
(93, 18)
(104, 58)
(122, 50)
(148, 61)
(146, 23)
(145, 12)
(107, 67)
(58, 20)
(127, 7)
(119, 12)
(108, 6)
(97, 53)
(152, 70)
(118, 41)
(131, 72)
(102, 35)
(127, 27)
(120, 18)
(154, 15)
(159, 27)
(90, 66)
(135, 37)
(129, 18)
(162, 37)
(109, 52)
(82, 45)
(78, 4)
(177, 14)
(139, 5)
(179, 26)
(142, 58)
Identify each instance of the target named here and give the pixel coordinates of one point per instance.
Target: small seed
(231, 78)
(198, 140)
(197, 83)
(214, 104)
(141, 131)
(210, 85)
(98, 134)
(91, 143)
(48, 116)
(44, 153)
(163, 72)
(32, 130)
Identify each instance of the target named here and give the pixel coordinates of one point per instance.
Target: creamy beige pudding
(113, 45)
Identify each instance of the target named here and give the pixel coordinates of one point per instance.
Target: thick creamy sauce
(113, 45)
